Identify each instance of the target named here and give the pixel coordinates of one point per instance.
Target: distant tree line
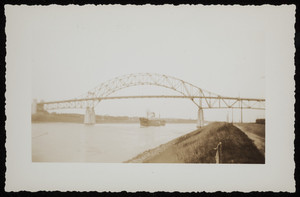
(78, 118)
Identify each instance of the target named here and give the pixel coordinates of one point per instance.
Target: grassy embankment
(198, 147)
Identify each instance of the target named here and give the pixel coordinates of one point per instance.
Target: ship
(151, 120)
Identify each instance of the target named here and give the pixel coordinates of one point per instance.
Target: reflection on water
(71, 142)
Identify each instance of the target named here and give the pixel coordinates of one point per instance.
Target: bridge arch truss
(202, 98)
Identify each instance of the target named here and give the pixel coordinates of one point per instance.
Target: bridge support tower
(89, 117)
(200, 120)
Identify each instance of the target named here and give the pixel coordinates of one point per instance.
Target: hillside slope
(198, 147)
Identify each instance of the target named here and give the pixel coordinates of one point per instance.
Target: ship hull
(148, 122)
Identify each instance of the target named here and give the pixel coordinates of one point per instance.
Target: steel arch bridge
(203, 99)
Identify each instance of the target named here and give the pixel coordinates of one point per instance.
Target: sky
(72, 49)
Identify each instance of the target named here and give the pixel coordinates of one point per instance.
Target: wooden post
(219, 153)
(232, 115)
(241, 112)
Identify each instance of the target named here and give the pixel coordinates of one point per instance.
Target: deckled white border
(276, 175)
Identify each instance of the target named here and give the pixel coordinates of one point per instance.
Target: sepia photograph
(150, 98)
(105, 89)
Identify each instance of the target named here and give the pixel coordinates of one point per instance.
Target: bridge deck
(211, 102)
(153, 96)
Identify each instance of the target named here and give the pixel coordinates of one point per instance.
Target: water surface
(72, 142)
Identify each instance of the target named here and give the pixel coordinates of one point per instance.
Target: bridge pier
(89, 117)
(200, 120)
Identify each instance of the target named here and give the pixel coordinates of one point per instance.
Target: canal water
(112, 143)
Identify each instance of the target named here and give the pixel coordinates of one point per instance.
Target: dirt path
(258, 140)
